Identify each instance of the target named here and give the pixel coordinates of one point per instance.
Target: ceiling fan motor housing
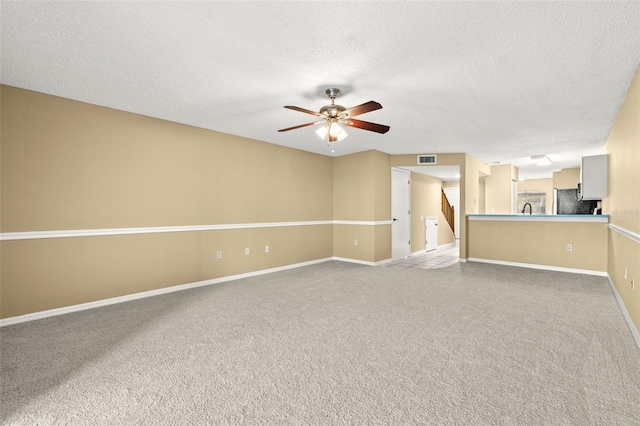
(334, 114)
(332, 110)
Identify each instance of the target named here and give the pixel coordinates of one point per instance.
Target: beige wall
(470, 195)
(426, 202)
(68, 165)
(623, 202)
(44, 274)
(482, 193)
(498, 189)
(540, 243)
(72, 165)
(362, 192)
(542, 185)
(566, 178)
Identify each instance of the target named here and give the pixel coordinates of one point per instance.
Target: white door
(453, 195)
(401, 213)
(431, 233)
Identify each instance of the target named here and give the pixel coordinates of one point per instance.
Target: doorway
(453, 195)
(431, 233)
(400, 213)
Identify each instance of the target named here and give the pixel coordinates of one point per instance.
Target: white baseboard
(361, 262)
(623, 308)
(625, 313)
(129, 297)
(536, 266)
(358, 261)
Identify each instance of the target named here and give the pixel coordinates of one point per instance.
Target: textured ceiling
(500, 81)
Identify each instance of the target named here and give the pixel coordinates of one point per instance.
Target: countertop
(602, 218)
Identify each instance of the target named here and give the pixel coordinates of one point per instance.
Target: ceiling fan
(333, 115)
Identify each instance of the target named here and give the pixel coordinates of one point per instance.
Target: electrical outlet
(355, 242)
(218, 255)
(569, 247)
(246, 251)
(266, 249)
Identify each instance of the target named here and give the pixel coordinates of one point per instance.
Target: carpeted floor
(336, 343)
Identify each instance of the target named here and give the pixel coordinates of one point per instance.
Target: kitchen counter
(598, 218)
(573, 243)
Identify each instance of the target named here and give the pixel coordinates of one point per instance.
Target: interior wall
(470, 195)
(540, 243)
(68, 165)
(362, 197)
(623, 203)
(482, 193)
(566, 178)
(542, 185)
(426, 202)
(498, 189)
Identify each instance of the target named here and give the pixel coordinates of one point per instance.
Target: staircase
(447, 210)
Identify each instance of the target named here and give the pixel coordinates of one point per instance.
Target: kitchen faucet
(525, 206)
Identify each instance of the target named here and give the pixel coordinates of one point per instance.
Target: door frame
(393, 228)
(426, 229)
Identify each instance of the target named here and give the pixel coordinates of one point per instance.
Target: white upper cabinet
(593, 177)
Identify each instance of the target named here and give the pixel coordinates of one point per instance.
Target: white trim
(536, 266)
(129, 297)
(629, 234)
(362, 222)
(625, 313)
(540, 218)
(361, 262)
(31, 235)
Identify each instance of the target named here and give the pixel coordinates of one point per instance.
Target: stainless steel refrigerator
(566, 202)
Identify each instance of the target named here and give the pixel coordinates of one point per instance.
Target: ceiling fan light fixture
(333, 131)
(322, 131)
(333, 115)
(336, 131)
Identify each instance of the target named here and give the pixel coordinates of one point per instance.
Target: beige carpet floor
(336, 343)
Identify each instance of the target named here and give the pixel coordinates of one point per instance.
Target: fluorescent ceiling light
(541, 160)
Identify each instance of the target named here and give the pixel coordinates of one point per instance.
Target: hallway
(439, 258)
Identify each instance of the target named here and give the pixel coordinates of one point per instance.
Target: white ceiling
(500, 81)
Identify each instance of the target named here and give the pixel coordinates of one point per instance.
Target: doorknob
(395, 220)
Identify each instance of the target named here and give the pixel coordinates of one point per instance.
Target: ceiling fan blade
(361, 109)
(299, 126)
(365, 125)
(306, 111)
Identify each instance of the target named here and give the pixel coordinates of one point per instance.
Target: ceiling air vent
(427, 159)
